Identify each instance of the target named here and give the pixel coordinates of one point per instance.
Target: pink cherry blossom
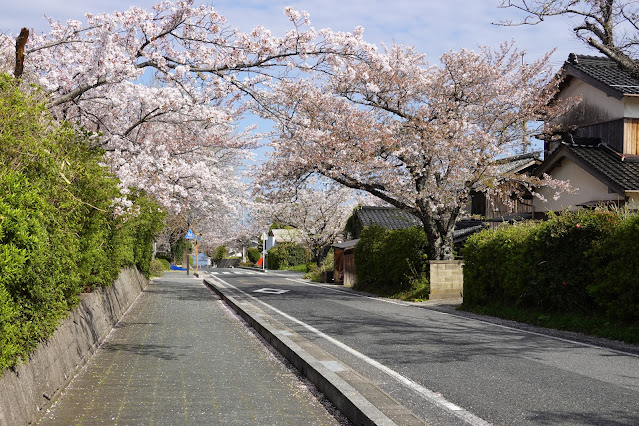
(416, 135)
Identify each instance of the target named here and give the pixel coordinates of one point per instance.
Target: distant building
(276, 236)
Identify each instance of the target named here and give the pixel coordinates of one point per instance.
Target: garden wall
(31, 387)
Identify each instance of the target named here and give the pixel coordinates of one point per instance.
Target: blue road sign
(190, 235)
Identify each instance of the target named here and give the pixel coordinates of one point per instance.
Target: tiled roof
(394, 218)
(346, 244)
(605, 71)
(623, 173)
(388, 217)
(517, 163)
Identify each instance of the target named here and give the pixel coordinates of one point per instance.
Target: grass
(418, 292)
(592, 325)
(298, 268)
(415, 294)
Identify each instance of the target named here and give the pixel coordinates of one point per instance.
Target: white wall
(270, 242)
(595, 106)
(589, 189)
(631, 106)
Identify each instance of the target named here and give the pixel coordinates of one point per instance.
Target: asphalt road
(499, 374)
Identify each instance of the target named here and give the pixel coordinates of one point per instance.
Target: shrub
(549, 265)
(221, 252)
(58, 231)
(388, 262)
(286, 254)
(315, 272)
(253, 254)
(615, 287)
(497, 265)
(166, 265)
(156, 268)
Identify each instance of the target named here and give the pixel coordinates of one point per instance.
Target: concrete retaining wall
(446, 279)
(29, 388)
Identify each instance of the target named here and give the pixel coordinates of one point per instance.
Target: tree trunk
(21, 41)
(440, 233)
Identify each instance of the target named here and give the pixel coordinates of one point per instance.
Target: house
(276, 236)
(387, 217)
(495, 209)
(390, 218)
(344, 262)
(597, 148)
(394, 218)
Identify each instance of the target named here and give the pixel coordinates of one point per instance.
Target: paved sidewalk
(179, 357)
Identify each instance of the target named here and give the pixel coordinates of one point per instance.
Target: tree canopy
(418, 136)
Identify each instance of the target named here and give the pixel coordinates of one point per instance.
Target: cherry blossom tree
(163, 89)
(415, 135)
(318, 209)
(609, 26)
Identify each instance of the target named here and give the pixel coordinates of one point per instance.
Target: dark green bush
(615, 287)
(497, 264)
(253, 254)
(286, 254)
(389, 262)
(178, 249)
(575, 262)
(328, 265)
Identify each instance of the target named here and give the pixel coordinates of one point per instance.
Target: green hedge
(388, 262)
(286, 254)
(581, 261)
(253, 254)
(615, 287)
(58, 232)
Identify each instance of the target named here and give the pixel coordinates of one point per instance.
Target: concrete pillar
(446, 279)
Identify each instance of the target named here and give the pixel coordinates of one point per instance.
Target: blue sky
(433, 26)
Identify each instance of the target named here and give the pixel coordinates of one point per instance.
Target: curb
(252, 269)
(348, 400)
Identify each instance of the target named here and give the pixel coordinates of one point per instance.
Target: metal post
(188, 248)
(264, 237)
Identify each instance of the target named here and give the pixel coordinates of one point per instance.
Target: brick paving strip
(179, 357)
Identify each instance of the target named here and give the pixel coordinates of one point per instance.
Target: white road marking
(534, 333)
(271, 291)
(433, 397)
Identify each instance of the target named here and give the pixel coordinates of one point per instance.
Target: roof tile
(606, 71)
(609, 163)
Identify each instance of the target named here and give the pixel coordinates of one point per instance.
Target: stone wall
(446, 279)
(30, 388)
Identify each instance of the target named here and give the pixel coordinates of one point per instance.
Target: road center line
(435, 398)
